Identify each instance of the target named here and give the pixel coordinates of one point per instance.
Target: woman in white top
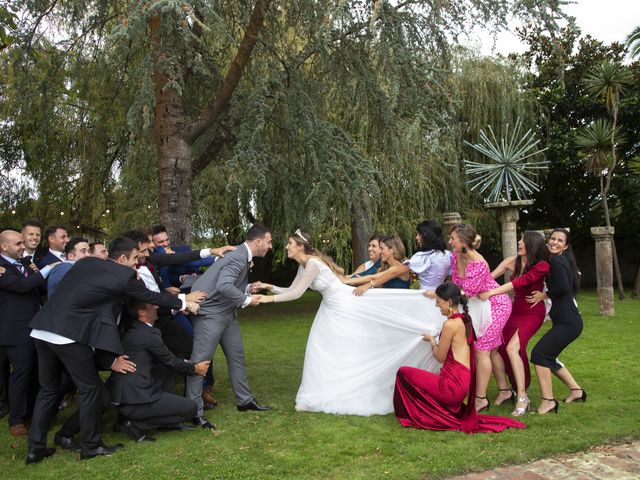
(432, 263)
(356, 344)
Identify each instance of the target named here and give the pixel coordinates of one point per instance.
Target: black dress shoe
(253, 405)
(34, 455)
(135, 433)
(204, 423)
(104, 450)
(67, 443)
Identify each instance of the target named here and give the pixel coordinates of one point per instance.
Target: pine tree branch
(234, 74)
(211, 152)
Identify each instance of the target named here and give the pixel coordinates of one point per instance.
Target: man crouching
(142, 404)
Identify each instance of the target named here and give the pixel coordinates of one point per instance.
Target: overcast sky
(608, 21)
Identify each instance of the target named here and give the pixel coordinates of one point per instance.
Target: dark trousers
(4, 377)
(22, 382)
(167, 411)
(71, 426)
(78, 359)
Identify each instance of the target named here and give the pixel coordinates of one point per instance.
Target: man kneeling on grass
(142, 404)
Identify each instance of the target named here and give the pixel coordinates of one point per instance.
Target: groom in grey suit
(225, 282)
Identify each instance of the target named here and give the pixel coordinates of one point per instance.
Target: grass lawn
(284, 443)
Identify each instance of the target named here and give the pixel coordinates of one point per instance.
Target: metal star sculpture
(508, 171)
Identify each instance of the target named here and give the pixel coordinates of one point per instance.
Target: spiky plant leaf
(595, 142)
(510, 168)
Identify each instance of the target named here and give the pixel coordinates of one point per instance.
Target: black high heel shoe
(486, 407)
(555, 406)
(582, 397)
(511, 398)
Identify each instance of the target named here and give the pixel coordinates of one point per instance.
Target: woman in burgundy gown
(437, 401)
(529, 267)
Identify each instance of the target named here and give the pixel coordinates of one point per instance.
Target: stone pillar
(509, 219)
(509, 215)
(604, 269)
(449, 220)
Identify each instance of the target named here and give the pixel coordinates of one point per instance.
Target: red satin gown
(437, 401)
(524, 319)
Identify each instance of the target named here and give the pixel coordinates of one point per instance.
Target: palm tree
(633, 43)
(608, 81)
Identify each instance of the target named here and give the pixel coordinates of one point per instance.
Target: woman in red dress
(529, 267)
(437, 401)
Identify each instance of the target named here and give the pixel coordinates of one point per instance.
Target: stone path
(619, 462)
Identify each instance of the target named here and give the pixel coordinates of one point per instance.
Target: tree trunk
(616, 264)
(361, 228)
(636, 285)
(173, 152)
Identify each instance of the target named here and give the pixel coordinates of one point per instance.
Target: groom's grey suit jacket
(225, 282)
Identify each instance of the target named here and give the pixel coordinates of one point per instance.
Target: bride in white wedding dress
(356, 344)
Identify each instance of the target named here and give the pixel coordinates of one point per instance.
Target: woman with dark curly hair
(437, 401)
(563, 282)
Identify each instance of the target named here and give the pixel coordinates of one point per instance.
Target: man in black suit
(139, 398)
(31, 235)
(4, 375)
(80, 317)
(57, 238)
(20, 293)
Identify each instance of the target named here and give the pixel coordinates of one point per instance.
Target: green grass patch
(283, 443)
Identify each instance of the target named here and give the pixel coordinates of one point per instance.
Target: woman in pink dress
(529, 267)
(437, 401)
(471, 273)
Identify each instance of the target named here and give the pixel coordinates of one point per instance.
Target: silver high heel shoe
(519, 411)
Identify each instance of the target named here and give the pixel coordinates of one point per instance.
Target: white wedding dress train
(357, 344)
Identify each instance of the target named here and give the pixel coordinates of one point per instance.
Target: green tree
(606, 82)
(633, 43)
(304, 113)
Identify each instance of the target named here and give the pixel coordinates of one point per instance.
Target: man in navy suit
(57, 238)
(20, 293)
(171, 275)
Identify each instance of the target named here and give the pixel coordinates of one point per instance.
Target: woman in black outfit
(562, 285)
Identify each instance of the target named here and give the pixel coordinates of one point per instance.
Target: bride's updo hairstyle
(450, 291)
(467, 235)
(303, 239)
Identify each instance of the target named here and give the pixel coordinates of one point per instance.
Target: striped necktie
(21, 269)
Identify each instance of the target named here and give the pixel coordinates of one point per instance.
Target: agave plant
(510, 170)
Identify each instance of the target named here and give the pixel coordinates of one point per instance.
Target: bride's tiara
(298, 234)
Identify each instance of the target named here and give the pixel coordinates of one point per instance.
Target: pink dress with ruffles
(477, 279)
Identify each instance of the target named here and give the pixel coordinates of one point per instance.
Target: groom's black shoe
(253, 405)
(203, 422)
